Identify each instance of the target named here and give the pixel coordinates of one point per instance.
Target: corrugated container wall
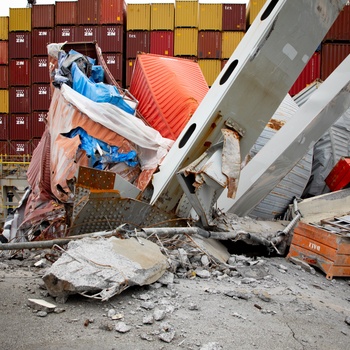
(40, 69)
(185, 41)
(111, 38)
(87, 33)
(162, 42)
(20, 19)
(230, 41)
(43, 16)
(4, 77)
(4, 101)
(40, 97)
(209, 44)
(332, 54)
(210, 17)
(340, 30)
(162, 16)
(65, 33)
(38, 123)
(40, 38)
(310, 73)
(136, 41)
(20, 45)
(210, 70)
(88, 12)
(129, 68)
(186, 14)
(138, 17)
(66, 12)
(20, 72)
(4, 28)
(4, 127)
(114, 62)
(112, 11)
(4, 147)
(253, 9)
(169, 91)
(20, 126)
(20, 99)
(4, 52)
(234, 17)
(19, 148)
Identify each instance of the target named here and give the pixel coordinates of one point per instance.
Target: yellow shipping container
(20, 19)
(210, 17)
(138, 17)
(4, 101)
(210, 70)
(185, 42)
(162, 16)
(186, 13)
(4, 28)
(230, 41)
(253, 8)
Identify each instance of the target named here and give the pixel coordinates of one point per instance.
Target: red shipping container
(87, 33)
(310, 73)
(66, 12)
(111, 38)
(19, 72)
(19, 148)
(340, 30)
(20, 99)
(209, 44)
(332, 54)
(41, 97)
(136, 41)
(4, 52)
(112, 11)
(129, 68)
(65, 33)
(162, 42)
(339, 176)
(40, 39)
(4, 147)
(169, 90)
(234, 17)
(4, 77)
(114, 63)
(43, 16)
(38, 123)
(88, 12)
(40, 69)
(20, 127)
(20, 44)
(4, 127)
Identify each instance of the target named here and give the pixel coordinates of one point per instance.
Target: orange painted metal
(169, 90)
(339, 177)
(329, 251)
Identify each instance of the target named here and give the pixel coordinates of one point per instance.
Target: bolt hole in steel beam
(187, 135)
(228, 72)
(269, 9)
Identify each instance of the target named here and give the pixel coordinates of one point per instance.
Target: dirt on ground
(262, 303)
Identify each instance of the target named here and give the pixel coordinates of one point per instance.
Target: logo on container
(20, 147)
(41, 117)
(88, 32)
(66, 32)
(42, 33)
(19, 93)
(42, 90)
(20, 121)
(19, 38)
(42, 63)
(111, 31)
(110, 59)
(20, 63)
(133, 36)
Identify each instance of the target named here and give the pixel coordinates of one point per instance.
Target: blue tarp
(98, 92)
(110, 154)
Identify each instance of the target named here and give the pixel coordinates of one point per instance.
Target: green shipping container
(185, 42)
(186, 13)
(210, 17)
(230, 41)
(4, 28)
(4, 101)
(210, 69)
(138, 17)
(162, 16)
(20, 19)
(253, 8)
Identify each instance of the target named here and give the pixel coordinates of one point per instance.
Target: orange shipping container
(112, 11)
(43, 16)
(169, 91)
(66, 12)
(88, 12)
(209, 44)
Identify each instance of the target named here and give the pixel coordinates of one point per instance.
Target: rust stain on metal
(275, 124)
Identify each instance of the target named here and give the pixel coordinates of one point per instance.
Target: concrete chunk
(41, 305)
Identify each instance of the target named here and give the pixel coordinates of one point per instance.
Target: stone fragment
(304, 265)
(122, 327)
(148, 319)
(167, 336)
(264, 296)
(40, 304)
(205, 261)
(167, 278)
(148, 305)
(145, 336)
(193, 306)
(111, 313)
(159, 314)
(41, 314)
(211, 346)
(202, 273)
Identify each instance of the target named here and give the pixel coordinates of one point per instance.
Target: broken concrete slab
(101, 268)
(215, 249)
(41, 305)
